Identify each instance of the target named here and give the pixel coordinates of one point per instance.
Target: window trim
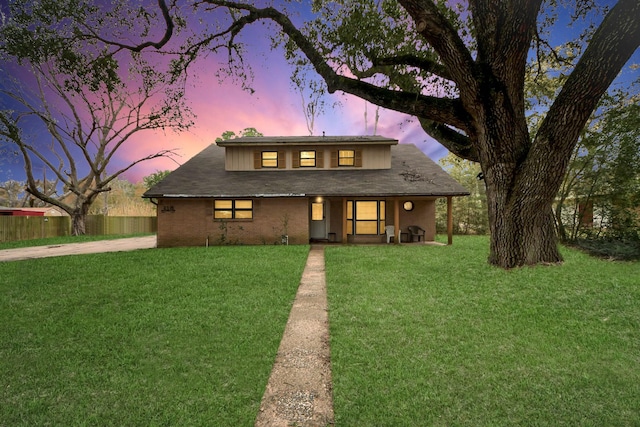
(233, 209)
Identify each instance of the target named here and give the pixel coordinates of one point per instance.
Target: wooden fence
(100, 225)
(14, 228)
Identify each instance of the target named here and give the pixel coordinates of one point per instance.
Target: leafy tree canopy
(229, 134)
(154, 178)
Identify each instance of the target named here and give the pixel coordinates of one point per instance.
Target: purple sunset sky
(274, 109)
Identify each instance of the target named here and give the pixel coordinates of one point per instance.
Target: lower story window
(365, 216)
(233, 209)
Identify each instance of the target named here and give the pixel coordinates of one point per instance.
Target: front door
(318, 223)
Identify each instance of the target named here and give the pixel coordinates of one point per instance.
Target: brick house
(257, 190)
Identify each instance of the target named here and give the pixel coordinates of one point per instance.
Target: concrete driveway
(116, 245)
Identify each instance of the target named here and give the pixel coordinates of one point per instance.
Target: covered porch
(408, 219)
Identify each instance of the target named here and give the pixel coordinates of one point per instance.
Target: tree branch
(163, 153)
(439, 109)
(443, 37)
(168, 33)
(505, 33)
(612, 45)
(456, 142)
(426, 65)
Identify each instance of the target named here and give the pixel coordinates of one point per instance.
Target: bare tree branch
(168, 33)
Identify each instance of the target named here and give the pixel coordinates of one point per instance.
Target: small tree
(603, 178)
(622, 194)
(13, 194)
(154, 178)
(124, 199)
(470, 212)
(229, 134)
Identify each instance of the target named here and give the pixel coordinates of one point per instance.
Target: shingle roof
(412, 173)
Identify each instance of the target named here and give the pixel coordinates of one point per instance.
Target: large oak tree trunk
(521, 188)
(522, 228)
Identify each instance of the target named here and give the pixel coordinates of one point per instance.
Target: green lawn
(426, 335)
(420, 335)
(175, 337)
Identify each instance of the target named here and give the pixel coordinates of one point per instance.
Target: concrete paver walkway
(299, 392)
(115, 245)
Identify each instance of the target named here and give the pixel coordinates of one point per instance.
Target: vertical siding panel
(334, 158)
(320, 159)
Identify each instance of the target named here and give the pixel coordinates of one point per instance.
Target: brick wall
(189, 222)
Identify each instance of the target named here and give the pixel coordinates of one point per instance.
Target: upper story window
(233, 209)
(269, 159)
(346, 157)
(307, 159)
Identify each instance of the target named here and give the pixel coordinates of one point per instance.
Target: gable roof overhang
(268, 141)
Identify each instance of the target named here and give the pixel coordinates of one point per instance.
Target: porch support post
(344, 220)
(449, 220)
(396, 220)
